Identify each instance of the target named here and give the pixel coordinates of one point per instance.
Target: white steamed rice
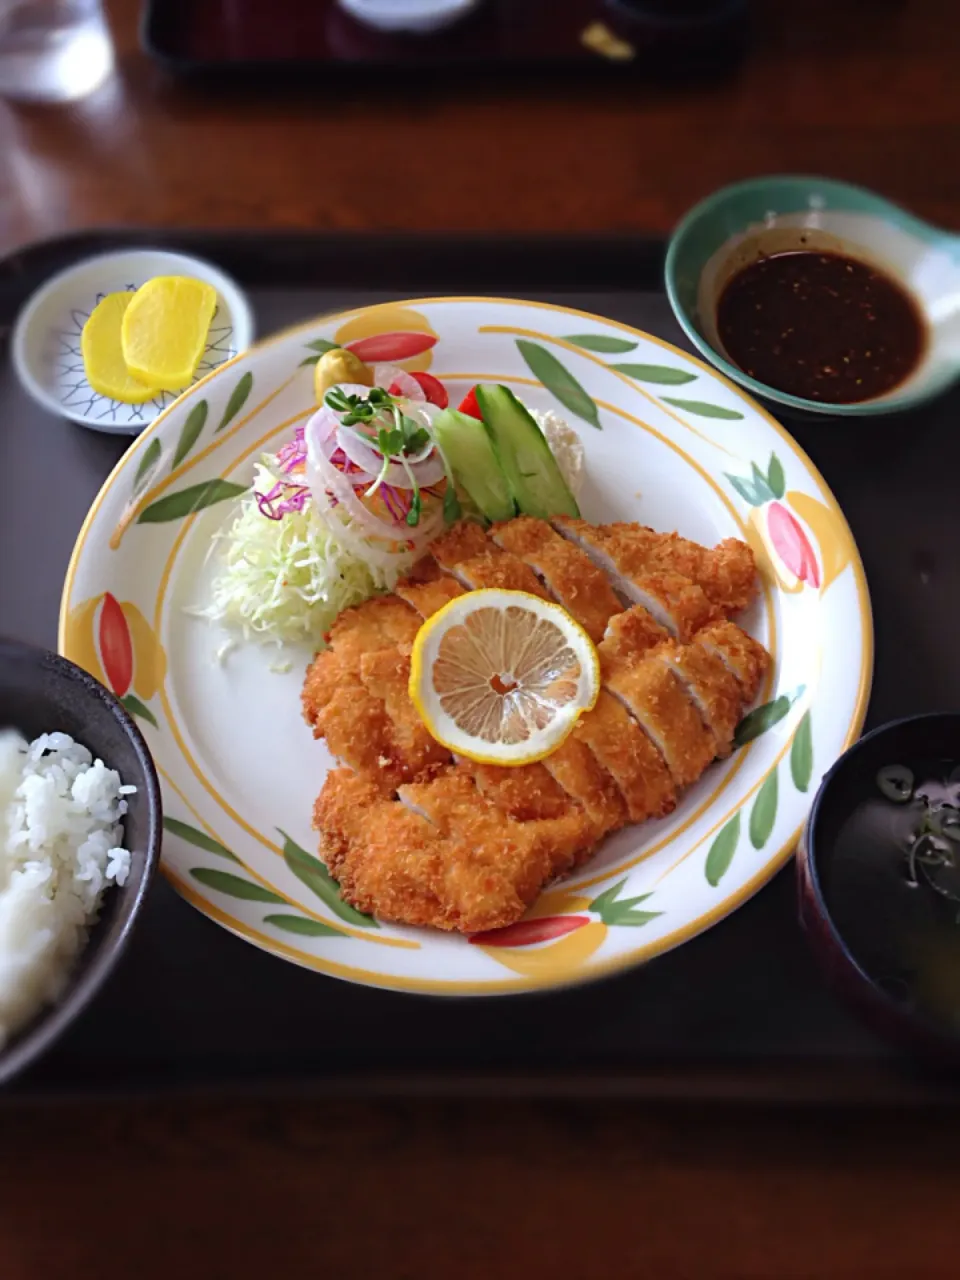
(60, 848)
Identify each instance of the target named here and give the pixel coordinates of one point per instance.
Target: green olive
(340, 365)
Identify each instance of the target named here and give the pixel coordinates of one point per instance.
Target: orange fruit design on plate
(556, 936)
(390, 335)
(116, 644)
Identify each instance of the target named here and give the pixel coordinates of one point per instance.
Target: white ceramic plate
(46, 336)
(668, 442)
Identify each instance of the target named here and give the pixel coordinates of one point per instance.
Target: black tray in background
(739, 1012)
(315, 44)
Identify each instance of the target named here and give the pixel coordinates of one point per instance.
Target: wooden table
(860, 89)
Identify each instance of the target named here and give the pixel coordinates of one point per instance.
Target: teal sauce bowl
(742, 223)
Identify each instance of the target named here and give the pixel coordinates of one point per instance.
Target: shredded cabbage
(284, 581)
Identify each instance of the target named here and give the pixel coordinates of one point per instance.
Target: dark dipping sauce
(892, 886)
(821, 326)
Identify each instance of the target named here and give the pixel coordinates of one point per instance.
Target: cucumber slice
(531, 469)
(468, 447)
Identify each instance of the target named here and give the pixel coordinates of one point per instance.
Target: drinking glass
(53, 50)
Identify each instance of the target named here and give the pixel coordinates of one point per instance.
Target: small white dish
(46, 336)
(408, 15)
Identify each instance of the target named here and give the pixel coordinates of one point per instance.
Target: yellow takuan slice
(102, 351)
(165, 330)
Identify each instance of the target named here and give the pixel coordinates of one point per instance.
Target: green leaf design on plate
(764, 812)
(614, 912)
(151, 456)
(309, 360)
(238, 398)
(196, 420)
(236, 887)
(747, 491)
(138, 708)
(764, 717)
(801, 754)
(600, 342)
(722, 851)
(662, 373)
(303, 926)
(775, 477)
(194, 836)
(185, 502)
(545, 366)
(322, 345)
(760, 485)
(702, 409)
(317, 878)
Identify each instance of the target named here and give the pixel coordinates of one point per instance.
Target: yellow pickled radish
(102, 351)
(165, 330)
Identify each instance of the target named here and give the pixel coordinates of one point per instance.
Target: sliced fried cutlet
(568, 573)
(497, 570)
(729, 577)
(745, 658)
(727, 573)
(355, 723)
(320, 685)
(462, 541)
(674, 601)
(628, 755)
(524, 792)
(661, 705)
(574, 766)
(476, 563)
(385, 675)
(629, 636)
(359, 732)
(544, 847)
(571, 775)
(713, 690)
(428, 588)
(392, 863)
(709, 685)
(465, 866)
(375, 624)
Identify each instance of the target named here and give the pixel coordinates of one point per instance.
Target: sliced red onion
(327, 482)
(426, 468)
(398, 382)
(380, 559)
(357, 476)
(322, 425)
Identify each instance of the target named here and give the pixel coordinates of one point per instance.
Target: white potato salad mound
(350, 504)
(61, 847)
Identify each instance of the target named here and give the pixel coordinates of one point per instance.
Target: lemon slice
(502, 677)
(165, 330)
(102, 353)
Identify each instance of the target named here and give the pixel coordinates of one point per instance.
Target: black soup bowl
(43, 693)
(878, 871)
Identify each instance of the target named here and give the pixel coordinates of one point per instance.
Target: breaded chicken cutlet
(417, 837)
